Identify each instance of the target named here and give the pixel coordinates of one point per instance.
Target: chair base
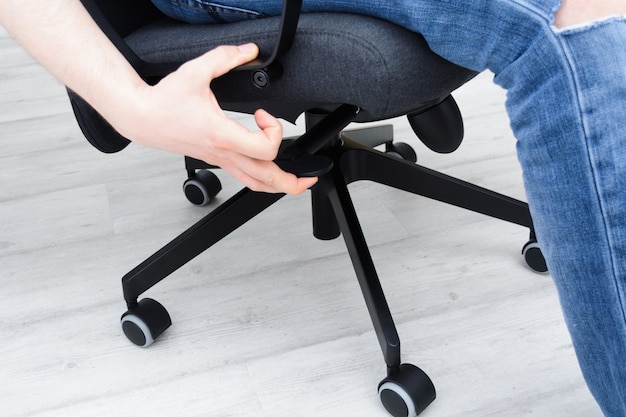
(334, 214)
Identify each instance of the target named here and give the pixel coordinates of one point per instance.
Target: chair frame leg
(335, 188)
(215, 226)
(362, 163)
(353, 162)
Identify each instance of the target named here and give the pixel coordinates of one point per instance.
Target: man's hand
(180, 114)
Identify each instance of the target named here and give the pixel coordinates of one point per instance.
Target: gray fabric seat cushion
(336, 58)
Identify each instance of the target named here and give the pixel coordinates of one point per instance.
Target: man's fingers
(245, 154)
(269, 125)
(267, 176)
(270, 178)
(236, 138)
(219, 61)
(260, 144)
(227, 133)
(253, 159)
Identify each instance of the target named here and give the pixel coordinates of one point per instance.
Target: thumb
(222, 59)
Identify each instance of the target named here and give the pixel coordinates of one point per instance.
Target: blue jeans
(566, 100)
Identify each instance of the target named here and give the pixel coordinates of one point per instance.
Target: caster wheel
(534, 258)
(402, 150)
(202, 187)
(145, 322)
(406, 392)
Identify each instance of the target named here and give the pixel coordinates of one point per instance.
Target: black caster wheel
(145, 322)
(534, 258)
(402, 150)
(202, 187)
(406, 392)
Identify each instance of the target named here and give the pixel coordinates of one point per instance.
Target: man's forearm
(61, 35)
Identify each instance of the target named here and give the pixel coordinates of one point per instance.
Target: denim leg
(200, 11)
(567, 106)
(466, 32)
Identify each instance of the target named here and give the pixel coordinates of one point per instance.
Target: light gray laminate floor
(269, 322)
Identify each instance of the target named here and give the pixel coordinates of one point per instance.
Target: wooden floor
(270, 322)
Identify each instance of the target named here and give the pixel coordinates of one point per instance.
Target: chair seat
(382, 68)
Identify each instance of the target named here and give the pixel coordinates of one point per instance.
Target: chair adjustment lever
(301, 164)
(300, 156)
(306, 165)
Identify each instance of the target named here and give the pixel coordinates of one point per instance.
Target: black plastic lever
(299, 156)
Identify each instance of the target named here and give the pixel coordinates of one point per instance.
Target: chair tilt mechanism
(336, 69)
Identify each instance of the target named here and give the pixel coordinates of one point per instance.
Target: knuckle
(268, 179)
(272, 153)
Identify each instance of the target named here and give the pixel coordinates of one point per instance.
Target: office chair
(335, 69)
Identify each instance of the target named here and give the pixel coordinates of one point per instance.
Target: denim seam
(212, 9)
(573, 79)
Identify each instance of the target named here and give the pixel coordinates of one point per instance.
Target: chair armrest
(288, 26)
(263, 67)
(266, 69)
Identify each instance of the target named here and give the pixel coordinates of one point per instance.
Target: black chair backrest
(123, 16)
